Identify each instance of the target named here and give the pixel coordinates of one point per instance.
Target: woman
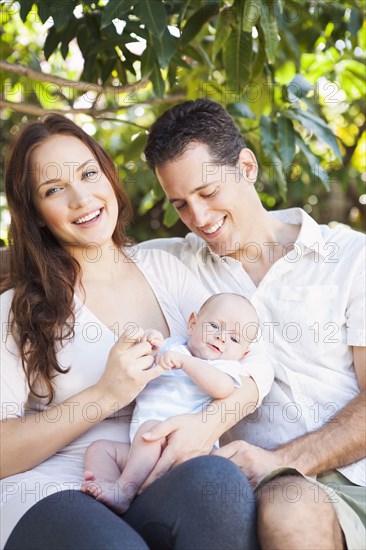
(73, 360)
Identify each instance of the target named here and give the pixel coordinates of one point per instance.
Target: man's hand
(254, 461)
(170, 360)
(187, 437)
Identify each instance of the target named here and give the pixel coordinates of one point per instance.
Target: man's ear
(248, 165)
(191, 322)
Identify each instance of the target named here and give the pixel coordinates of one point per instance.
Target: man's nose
(199, 214)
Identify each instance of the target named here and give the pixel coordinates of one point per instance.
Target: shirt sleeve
(14, 386)
(258, 366)
(232, 368)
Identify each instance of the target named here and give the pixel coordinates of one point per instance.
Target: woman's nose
(79, 196)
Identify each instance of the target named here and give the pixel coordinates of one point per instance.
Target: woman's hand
(128, 368)
(186, 436)
(155, 338)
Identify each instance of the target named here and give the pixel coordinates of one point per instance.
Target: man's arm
(212, 381)
(339, 442)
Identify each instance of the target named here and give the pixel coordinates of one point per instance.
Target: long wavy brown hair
(42, 273)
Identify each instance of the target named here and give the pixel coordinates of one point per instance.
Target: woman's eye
(89, 174)
(52, 191)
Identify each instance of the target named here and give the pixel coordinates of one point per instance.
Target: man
(307, 283)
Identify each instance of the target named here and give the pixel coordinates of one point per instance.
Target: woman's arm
(212, 381)
(31, 439)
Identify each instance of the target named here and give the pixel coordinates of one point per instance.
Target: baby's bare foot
(110, 492)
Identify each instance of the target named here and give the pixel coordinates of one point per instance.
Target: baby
(205, 367)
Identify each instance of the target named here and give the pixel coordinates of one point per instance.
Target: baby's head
(223, 328)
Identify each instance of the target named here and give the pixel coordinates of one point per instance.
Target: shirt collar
(309, 239)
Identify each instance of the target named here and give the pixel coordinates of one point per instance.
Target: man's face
(216, 202)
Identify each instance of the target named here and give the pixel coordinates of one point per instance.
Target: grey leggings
(203, 504)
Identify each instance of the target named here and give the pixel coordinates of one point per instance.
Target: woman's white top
(178, 294)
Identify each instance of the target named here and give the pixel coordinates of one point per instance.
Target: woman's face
(71, 194)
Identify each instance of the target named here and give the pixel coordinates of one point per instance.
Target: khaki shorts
(348, 499)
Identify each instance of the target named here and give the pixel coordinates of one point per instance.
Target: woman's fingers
(130, 337)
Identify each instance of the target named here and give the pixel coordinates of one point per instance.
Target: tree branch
(36, 110)
(22, 70)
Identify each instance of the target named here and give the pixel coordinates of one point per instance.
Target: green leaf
(223, 30)
(314, 162)
(240, 110)
(355, 22)
(170, 215)
(68, 34)
(107, 66)
(62, 14)
(25, 8)
(252, 12)
(44, 10)
(268, 135)
(148, 201)
(286, 139)
(137, 146)
(197, 20)
(260, 57)
(298, 88)
(153, 14)
(165, 47)
(157, 81)
(52, 41)
(237, 56)
(315, 124)
(148, 58)
(268, 24)
(276, 164)
(115, 9)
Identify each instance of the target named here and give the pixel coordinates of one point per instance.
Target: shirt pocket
(310, 312)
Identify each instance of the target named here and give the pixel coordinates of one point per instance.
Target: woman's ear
(191, 322)
(248, 165)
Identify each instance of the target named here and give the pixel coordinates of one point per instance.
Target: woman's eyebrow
(55, 180)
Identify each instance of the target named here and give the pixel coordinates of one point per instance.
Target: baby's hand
(155, 339)
(170, 360)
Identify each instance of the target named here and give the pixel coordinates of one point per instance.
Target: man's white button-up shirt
(311, 306)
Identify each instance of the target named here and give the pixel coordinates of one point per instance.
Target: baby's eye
(233, 339)
(214, 325)
(52, 191)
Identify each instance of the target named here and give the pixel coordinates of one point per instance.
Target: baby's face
(223, 330)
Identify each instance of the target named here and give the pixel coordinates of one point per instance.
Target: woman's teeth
(88, 217)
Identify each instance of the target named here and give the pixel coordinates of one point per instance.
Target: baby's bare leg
(104, 461)
(141, 460)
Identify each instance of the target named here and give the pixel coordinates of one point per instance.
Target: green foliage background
(292, 74)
